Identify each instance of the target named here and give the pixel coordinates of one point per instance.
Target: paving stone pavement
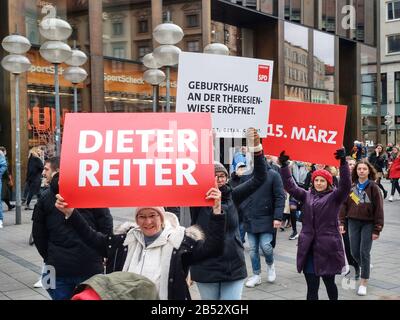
(20, 264)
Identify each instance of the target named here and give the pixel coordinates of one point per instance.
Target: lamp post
(75, 73)
(16, 64)
(216, 48)
(388, 122)
(167, 34)
(153, 76)
(55, 51)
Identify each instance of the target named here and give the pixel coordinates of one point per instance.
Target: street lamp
(16, 64)
(55, 51)
(167, 34)
(216, 48)
(153, 76)
(75, 73)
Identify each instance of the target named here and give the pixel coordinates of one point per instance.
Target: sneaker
(28, 208)
(38, 284)
(362, 291)
(391, 198)
(253, 281)
(271, 275)
(1, 224)
(11, 207)
(294, 236)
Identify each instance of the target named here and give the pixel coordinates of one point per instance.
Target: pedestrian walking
(8, 183)
(3, 168)
(320, 251)
(364, 210)
(378, 160)
(34, 175)
(394, 172)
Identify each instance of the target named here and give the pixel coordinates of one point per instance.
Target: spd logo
(263, 73)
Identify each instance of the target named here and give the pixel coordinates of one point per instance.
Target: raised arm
(288, 182)
(343, 190)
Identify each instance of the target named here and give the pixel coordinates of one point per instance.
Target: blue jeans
(228, 290)
(64, 287)
(242, 233)
(1, 203)
(263, 240)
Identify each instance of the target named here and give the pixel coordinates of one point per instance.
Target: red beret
(324, 174)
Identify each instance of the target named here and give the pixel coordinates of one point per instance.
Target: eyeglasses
(150, 216)
(221, 177)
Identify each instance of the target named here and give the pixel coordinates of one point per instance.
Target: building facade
(390, 68)
(324, 51)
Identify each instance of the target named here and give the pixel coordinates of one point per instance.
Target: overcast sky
(323, 43)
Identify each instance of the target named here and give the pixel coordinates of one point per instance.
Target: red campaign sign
(309, 132)
(136, 159)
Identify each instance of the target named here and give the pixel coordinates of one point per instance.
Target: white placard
(236, 90)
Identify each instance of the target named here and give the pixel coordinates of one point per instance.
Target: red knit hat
(324, 174)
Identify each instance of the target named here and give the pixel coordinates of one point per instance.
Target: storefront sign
(235, 90)
(308, 132)
(136, 159)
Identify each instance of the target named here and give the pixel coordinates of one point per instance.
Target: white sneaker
(253, 281)
(1, 224)
(390, 198)
(271, 275)
(38, 284)
(362, 291)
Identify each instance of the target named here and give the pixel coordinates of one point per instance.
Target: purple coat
(320, 231)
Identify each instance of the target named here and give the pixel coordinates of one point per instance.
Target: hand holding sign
(62, 206)
(253, 139)
(340, 154)
(215, 194)
(283, 159)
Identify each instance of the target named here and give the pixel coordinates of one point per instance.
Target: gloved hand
(340, 154)
(283, 159)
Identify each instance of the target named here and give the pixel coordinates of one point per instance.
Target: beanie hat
(324, 174)
(160, 210)
(240, 165)
(218, 167)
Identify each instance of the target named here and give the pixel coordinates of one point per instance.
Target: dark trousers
(313, 286)
(65, 287)
(347, 248)
(360, 233)
(395, 186)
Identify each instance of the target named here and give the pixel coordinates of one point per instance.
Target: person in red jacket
(394, 174)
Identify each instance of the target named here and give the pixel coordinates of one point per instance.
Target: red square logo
(263, 73)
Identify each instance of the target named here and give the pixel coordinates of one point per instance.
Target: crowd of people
(340, 211)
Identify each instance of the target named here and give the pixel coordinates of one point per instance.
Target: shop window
(393, 44)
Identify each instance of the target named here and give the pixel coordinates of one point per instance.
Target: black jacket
(59, 244)
(190, 251)
(379, 162)
(231, 265)
(264, 205)
(34, 174)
